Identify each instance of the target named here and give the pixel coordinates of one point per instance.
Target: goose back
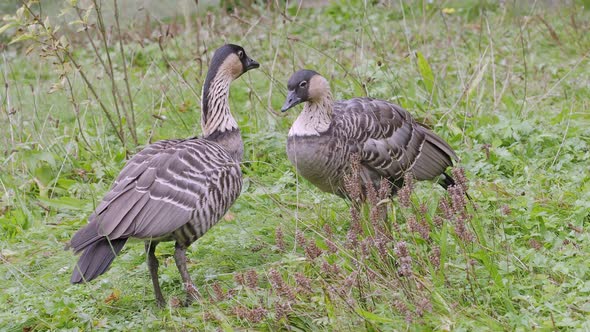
(389, 141)
(171, 190)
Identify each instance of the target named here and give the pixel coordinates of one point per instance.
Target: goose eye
(240, 54)
(303, 84)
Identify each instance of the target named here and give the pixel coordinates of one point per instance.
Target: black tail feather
(96, 259)
(446, 181)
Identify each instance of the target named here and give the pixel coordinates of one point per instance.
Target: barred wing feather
(391, 141)
(161, 189)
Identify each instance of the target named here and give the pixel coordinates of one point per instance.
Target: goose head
(305, 86)
(231, 61)
(227, 64)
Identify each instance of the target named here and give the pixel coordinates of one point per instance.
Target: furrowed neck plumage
(216, 119)
(315, 117)
(216, 115)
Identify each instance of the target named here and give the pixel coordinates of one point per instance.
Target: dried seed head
(330, 269)
(460, 178)
(280, 239)
(366, 247)
(405, 261)
(461, 230)
(535, 244)
(376, 216)
(423, 209)
(281, 288)
(257, 314)
(412, 224)
(371, 275)
(240, 311)
(239, 279)
(332, 248)
(372, 195)
(303, 283)
(424, 229)
(209, 316)
(218, 291)
(424, 305)
(355, 215)
(435, 257)
(506, 210)
(438, 221)
(328, 230)
(252, 279)
(405, 192)
(403, 309)
(355, 230)
(300, 238)
(384, 189)
(380, 243)
(312, 251)
(446, 208)
(352, 180)
(350, 280)
(457, 199)
(252, 315)
(282, 310)
(352, 239)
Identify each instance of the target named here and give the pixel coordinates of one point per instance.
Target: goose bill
(292, 100)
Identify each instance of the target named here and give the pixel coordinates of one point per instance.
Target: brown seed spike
(300, 238)
(405, 193)
(218, 291)
(352, 180)
(312, 251)
(384, 189)
(279, 239)
(303, 283)
(405, 261)
(252, 279)
(460, 178)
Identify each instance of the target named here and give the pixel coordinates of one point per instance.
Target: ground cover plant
(505, 83)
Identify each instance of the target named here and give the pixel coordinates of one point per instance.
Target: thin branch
(132, 125)
(522, 44)
(114, 90)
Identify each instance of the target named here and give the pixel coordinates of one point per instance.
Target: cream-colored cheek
(232, 66)
(317, 88)
(236, 68)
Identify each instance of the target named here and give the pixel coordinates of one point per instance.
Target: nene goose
(173, 190)
(387, 139)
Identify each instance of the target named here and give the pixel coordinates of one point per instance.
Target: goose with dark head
(228, 63)
(172, 190)
(387, 139)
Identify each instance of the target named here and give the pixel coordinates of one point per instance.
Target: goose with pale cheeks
(384, 136)
(172, 190)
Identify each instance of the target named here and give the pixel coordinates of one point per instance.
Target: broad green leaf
(7, 26)
(477, 79)
(425, 72)
(44, 174)
(373, 317)
(21, 38)
(68, 203)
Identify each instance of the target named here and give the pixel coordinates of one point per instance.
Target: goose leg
(152, 262)
(180, 257)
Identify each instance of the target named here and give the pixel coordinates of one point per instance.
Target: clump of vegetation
(504, 83)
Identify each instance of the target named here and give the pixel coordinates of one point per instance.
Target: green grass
(506, 86)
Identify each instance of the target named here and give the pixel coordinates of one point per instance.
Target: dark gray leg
(180, 257)
(152, 262)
